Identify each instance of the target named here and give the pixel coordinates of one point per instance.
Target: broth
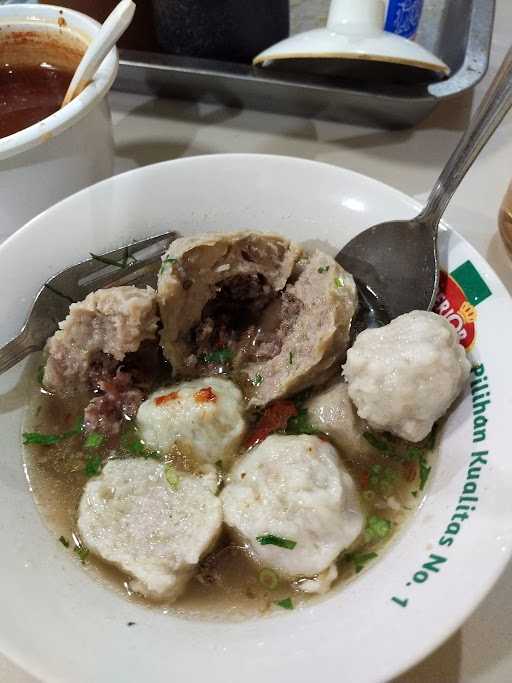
(35, 72)
(228, 585)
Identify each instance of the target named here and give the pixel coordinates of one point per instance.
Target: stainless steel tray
(458, 31)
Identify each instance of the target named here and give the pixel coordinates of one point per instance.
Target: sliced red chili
(274, 418)
(205, 395)
(160, 400)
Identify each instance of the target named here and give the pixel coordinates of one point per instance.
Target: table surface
(148, 130)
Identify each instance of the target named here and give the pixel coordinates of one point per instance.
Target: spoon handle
(111, 30)
(491, 111)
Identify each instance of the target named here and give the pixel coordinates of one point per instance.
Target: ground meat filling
(248, 318)
(120, 388)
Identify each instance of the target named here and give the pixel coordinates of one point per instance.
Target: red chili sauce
(35, 71)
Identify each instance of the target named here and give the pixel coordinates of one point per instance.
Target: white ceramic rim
(46, 16)
(471, 599)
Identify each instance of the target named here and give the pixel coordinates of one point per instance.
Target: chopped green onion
(323, 269)
(270, 539)
(359, 560)
(58, 293)
(377, 528)
(41, 439)
(376, 442)
(64, 541)
(285, 604)
(257, 380)
(94, 440)
(300, 424)
(51, 439)
(425, 470)
(81, 551)
(338, 281)
(414, 493)
(218, 357)
(167, 261)
(268, 578)
(431, 438)
(122, 263)
(93, 465)
(40, 375)
(137, 447)
(413, 453)
(290, 358)
(171, 477)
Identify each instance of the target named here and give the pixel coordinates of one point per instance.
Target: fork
(121, 266)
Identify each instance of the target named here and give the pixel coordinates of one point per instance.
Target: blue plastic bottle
(403, 17)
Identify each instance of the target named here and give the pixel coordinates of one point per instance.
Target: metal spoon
(395, 263)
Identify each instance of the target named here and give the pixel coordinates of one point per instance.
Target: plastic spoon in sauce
(112, 29)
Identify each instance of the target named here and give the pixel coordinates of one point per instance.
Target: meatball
(332, 412)
(310, 335)
(104, 328)
(156, 532)
(203, 418)
(404, 376)
(293, 488)
(212, 285)
(280, 318)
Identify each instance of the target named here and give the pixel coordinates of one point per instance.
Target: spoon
(395, 264)
(112, 29)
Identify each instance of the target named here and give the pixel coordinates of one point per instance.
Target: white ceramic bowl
(62, 625)
(68, 150)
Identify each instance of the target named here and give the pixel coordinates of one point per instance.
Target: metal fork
(121, 266)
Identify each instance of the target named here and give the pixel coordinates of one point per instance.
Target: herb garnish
(425, 470)
(338, 281)
(219, 357)
(40, 375)
(377, 528)
(81, 551)
(171, 477)
(167, 261)
(323, 269)
(359, 560)
(285, 604)
(51, 439)
(268, 578)
(290, 358)
(64, 541)
(41, 439)
(382, 478)
(270, 539)
(300, 424)
(93, 465)
(137, 447)
(126, 259)
(376, 442)
(94, 440)
(257, 380)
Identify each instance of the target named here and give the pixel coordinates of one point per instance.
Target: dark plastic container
(228, 30)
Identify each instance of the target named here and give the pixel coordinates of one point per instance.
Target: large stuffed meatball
(404, 376)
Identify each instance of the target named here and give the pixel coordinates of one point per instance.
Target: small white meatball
(133, 518)
(332, 412)
(203, 418)
(404, 376)
(293, 488)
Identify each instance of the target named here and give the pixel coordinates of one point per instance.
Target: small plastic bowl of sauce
(48, 152)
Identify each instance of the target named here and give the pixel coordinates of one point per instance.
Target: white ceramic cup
(66, 151)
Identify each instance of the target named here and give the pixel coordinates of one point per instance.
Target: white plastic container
(66, 151)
